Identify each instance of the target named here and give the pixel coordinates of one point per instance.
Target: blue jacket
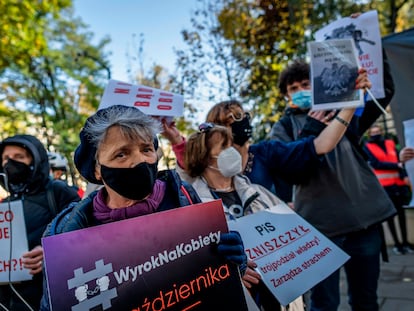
(273, 159)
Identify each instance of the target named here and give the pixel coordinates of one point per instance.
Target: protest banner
(409, 165)
(365, 32)
(151, 101)
(13, 243)
(162, 261)
(291, 255)
(334, 70)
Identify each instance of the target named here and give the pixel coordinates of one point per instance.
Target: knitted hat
(84, 157)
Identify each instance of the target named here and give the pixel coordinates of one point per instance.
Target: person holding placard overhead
(118, 149)
(343, 198)
(24, 162)
(215, 168)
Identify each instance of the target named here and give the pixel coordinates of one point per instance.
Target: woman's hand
(362, 80)
(324, 116)
(33, 260)
(406, 154)
(251, 277)
(171, 132)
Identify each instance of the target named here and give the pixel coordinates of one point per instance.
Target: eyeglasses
(246, 114)
(205, 127)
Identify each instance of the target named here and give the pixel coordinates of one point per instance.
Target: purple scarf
(148, 206)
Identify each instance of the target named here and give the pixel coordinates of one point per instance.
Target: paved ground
(396, 286)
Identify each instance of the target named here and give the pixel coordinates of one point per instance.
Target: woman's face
(118, 152)
(216, 145)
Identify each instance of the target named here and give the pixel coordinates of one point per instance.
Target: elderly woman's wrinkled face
(117, 151)
(126, 166)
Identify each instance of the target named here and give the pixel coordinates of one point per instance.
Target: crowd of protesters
(312, 160)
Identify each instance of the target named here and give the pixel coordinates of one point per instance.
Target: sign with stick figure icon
(364, 30)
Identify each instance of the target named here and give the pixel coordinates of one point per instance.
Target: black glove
(231, 247)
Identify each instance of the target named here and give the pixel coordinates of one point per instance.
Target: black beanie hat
(84, 157)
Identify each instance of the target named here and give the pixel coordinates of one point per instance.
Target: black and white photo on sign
(334, 70)
(365, 32)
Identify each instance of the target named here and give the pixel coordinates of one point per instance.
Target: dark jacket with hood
(342, 195)
(36, 208)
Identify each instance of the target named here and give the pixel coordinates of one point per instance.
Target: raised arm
(332, 134)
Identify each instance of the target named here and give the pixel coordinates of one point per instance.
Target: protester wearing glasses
(215, 168)
(263, 161)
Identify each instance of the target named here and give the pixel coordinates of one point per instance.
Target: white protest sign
(365, 32)
(12, 231)
(409, 142)
(334, 70)
(291, 255)
(151, 101)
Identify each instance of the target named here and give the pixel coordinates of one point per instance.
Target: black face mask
(242, 131)
(17, 172)
(376, 138)
(134, 183)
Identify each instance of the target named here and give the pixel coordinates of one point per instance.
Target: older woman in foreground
(118, 149)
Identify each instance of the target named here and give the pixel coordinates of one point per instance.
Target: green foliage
(209, 63)
(158, 77)
(51, 76)
(264, 36)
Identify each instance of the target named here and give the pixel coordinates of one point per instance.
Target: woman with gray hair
(118, 149)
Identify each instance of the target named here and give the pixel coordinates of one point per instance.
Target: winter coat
(254, 197)
(79, 215)
(39, 208)
(342, 195)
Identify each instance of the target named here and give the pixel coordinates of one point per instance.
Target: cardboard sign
(162, 261)
(291, 255)
(334, 70)
(13, 243)
(151, 101)
(365, 32)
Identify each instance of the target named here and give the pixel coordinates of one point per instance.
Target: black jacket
(42, 198)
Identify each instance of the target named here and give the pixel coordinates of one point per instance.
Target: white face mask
(229, 162)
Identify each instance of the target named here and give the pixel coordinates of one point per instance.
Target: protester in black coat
(25, 174)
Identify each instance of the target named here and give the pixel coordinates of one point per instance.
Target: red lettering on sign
(4, 233)
(165, 100)
(121, 91)
(6, 216)
(142, 89)
(164, 107)
(166, 94)
(146, 96)
(142, 104)
(12, 265)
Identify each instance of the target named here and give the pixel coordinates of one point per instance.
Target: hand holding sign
(33, 260)
(291, 255)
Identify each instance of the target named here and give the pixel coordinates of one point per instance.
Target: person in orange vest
(383, 158)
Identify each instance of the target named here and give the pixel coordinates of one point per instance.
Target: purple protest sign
(163, 261)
